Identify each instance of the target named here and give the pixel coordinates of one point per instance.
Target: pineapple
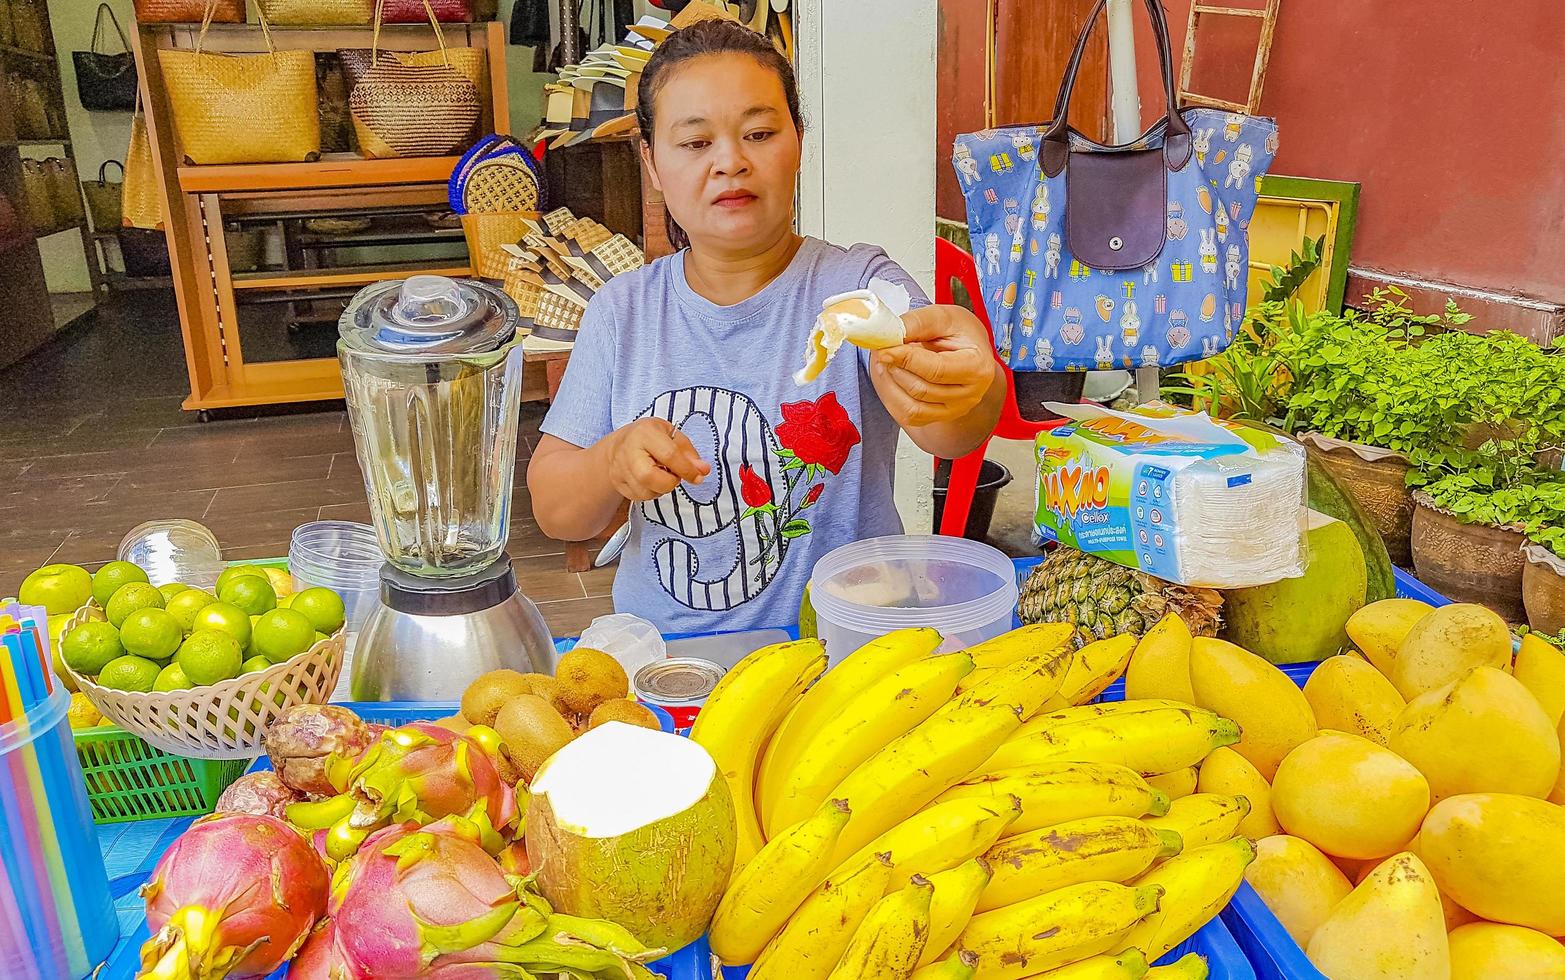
(1103, 599)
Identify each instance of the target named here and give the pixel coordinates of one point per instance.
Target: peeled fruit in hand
(236, 894)
(587, 678)
(1298, 883)
(1349, 695)
(1160, 667)
(1500, 855)
(1388, 927)
(1227, 773)
(1272, 713)
(1448, 643)
(1486, 950)
(1483, 732)
(1540, 666)
(531, 731)
(259, 793)
(1349, 797)
(1380, 627)
(307, 739)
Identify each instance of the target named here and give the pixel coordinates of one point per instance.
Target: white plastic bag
(631, 640)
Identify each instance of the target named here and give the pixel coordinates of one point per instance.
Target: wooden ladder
(1263, 54)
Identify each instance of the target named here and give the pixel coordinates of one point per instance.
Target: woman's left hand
(941, 373)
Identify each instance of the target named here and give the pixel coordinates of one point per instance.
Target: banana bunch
(963, 815)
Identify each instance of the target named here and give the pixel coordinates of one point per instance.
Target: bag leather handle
(1055, 151)
(103, 172)
(97, 28)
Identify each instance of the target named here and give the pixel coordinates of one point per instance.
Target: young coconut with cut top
(635, 826)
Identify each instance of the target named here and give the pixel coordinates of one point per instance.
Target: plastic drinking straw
(81, 890)
(14, 799)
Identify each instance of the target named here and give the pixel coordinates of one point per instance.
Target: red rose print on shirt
(755, 491)
(817, 438)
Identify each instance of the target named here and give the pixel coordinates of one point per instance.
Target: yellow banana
(888, 943)
(850, 675)
(1160, 667)
(960, 965)
(1097, 665)
(814, 939)
(1090, 849)
(940, 837)
(1019, 643)
(1024, 684)
(1056, 717)
(896, 782)
(1150, 742)
(1197, 884)
(956, 894)
(1129, 965)
(1191, 966)
(1056, 928)
(1204, 818)
(773, 884)
(740, 715)
(884, 710)
(1177, 784)
(1061, 791)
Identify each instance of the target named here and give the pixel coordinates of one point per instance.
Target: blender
(431, 371)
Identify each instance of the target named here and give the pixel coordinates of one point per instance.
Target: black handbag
(106, 82)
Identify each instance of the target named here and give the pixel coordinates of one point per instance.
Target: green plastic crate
(127, 779)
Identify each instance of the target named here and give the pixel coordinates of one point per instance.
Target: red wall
(1451, 114)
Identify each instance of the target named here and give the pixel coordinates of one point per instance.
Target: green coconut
(635, 826)
(1301, 619)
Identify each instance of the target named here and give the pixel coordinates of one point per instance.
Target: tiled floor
(93, 442)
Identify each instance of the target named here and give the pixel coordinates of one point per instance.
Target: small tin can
(678, 685)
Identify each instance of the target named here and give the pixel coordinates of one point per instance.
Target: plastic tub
(860, 591)
(56, 916)
(342, 556)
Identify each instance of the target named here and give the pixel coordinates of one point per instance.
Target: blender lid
(429, 315)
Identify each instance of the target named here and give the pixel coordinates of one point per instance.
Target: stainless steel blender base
(426, 642)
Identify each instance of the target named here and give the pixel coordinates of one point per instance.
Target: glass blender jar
(432, 374)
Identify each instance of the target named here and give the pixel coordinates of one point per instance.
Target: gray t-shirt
(796, 471)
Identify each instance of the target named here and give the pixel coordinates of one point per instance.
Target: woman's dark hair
(703, 38)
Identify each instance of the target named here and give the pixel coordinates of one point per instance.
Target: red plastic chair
(953, 263)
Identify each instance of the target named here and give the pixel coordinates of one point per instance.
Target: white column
(1125, 104)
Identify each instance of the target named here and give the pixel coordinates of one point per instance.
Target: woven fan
(557, 318)
(557, 220)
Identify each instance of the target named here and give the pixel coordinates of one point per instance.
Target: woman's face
(725, 152)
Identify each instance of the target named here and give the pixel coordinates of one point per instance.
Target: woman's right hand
(650, 457)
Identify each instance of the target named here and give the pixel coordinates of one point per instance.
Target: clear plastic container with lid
(432, 369)
(174, 550)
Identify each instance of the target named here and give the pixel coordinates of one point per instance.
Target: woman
(679, 397)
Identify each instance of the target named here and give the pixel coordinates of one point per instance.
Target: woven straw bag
(486, 233)
(500, 184)
(250, 108)
(31, 108)
(224, 720)
(412, 107)
(38, 197)
(141, 206)
(316, 13)
(105, 198)
(65, 191)
(190, 11)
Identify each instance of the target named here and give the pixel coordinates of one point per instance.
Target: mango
(1297, 882)
(1160, 666)
(1540, 666)
(1483, 732)
(1380, 627)
(1227, 773)
(1558, 795)
(1455, 915)
(1294, 620)
(1349, 695)
(1177, 784)
(1448, 643)
(1486, 950)
(1270, 709)
(1501, 856)
(1349, 797)
(1388, 928)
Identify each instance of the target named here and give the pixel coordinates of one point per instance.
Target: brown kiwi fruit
(532, 731)
(586, 679)
(542, 685)
(623, 709)
(484, 698)
(510, 774)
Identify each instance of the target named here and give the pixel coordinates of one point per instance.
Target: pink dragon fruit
(308, 738)
(258, 792)
(317, 958)
(235, 896)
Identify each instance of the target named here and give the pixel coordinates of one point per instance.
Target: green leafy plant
(1533, 501)
(1301, 265)
(1552, 538)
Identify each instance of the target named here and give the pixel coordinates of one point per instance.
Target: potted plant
(1543, 579)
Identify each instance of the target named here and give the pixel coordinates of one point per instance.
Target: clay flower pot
(1478, 563)
(1377, 480)
(1543, 589)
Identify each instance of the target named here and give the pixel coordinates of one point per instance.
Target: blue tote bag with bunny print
(1098, 257)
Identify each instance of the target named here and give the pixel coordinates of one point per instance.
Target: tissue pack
(1175, 494)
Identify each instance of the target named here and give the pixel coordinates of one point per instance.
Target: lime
(129, 673)
(184, 607)
(282, 582)
(283, 633)
(172, 589)
(131, 597)
(58, 588)
(254, 663)
(88, 648)
(252, 593)
(237, 571)
(172, 678)
(110, 577)
(225, 618)
(322, 607)
(150, 633)
(209, 656)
